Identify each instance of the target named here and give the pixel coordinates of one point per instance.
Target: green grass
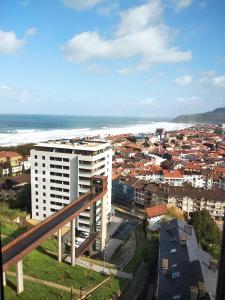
(115, 285)
(140, 244)
(8, 214)
(40, 265)
(11, 231)
(33, 291)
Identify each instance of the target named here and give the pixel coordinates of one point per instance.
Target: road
(26, 242)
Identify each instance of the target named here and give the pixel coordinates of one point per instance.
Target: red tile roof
(172, 174)
(9, 154)
(157, 210)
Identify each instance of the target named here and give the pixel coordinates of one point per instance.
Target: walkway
(97, 268)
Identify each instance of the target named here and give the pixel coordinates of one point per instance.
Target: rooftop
(81, 144)
(157, 210)
(181, 275)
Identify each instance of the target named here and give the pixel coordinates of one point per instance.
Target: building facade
(61, 172)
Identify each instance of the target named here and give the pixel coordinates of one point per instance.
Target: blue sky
(112, 57)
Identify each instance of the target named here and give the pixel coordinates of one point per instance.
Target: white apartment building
(61, 172)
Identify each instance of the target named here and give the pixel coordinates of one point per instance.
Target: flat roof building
(61, 172)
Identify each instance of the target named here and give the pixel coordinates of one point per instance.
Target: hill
(216, 116)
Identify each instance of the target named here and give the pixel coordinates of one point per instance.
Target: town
(138, 240)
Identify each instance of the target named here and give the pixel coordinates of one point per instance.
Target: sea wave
(34, 136)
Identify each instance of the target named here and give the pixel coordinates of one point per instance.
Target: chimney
(202, 289)
(193, 293)
(213, 264)
(165, 266)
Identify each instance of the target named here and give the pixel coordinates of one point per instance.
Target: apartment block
(61, 172)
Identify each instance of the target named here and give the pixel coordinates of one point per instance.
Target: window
(173, 239)
(174, 250)
(43, 172)
(44, 194)
(37, 214)
(44, 201)
(35, 156)
(36, 200)
(176, 297)
(43, 165)
(44, 215)
(36, 179)
(36, 171)
(175, 275)
(36, 185)
(36, 193)
(36, 206)
(43, 157)
(43, 179)
(36, 164)
(65, 159)
(44, 187)
(44, 208)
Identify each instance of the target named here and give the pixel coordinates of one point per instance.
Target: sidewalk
(100, 269)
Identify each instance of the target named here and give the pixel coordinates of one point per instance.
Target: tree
(207, 232)
(1, 172)
(10, 171)
(23, 199)
(144, 225)
(173, 212)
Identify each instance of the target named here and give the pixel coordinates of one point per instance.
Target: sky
(156, 58)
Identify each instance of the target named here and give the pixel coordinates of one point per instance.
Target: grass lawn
(40, 265)
(11, 231)
(33, 291)
(140, 245)
(113, 286)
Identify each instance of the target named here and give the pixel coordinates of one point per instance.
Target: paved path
(48, 283)
(99, 269)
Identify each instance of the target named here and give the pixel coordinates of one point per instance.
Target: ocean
(21, 129)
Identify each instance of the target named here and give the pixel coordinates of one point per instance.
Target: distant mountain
(216, 116)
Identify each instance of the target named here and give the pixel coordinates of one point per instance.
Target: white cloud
(82, 4)
(31, 31)
(188, 99)
(182, 4)
(140, 33)
(148, 102)
(219, 81)
(108, 9)
(9, 43)
(210, 79)
(184, 80)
